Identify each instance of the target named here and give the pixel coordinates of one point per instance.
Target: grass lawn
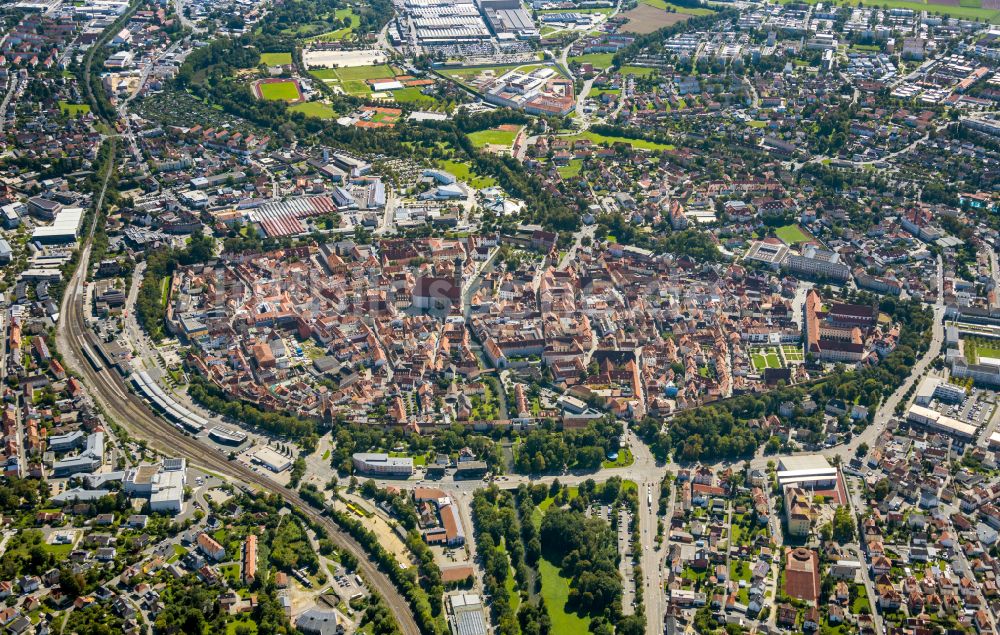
(555, 592)
(597, 92)
(61, 552)
(571, 170)
(314, 109)
(412, 95)
(244, 621)
(975, 349)
(962, 11)
(511, 585)
(492, 137)
(341, 34)
(638, 71)
(598, 60)
(165, 291)
(463, 172)
(625, 459)
(276, 59)
(792, 234)
(640, 144)
(279, 91)
(73, 109)
(860, 602)
(765, 358)
(757, 124)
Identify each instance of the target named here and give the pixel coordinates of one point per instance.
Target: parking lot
(976, 409)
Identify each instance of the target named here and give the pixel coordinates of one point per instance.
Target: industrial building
(467, 615)
(64, 229)
(507, 19)
(444, 21)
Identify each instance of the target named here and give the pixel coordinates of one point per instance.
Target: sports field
(354, 80)
(792, 234)
(276, 59)
(279, 90)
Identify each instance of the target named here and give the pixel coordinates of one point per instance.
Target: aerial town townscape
(540, 317)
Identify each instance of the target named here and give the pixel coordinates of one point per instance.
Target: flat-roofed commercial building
(811, 471)
(382, 464)
(272, 460)
(938, 422)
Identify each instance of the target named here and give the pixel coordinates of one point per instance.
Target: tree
(843, 524)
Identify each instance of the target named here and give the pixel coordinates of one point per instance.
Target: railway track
(113, 393)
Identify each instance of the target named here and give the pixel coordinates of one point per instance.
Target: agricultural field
(314, 109)
(792, 234)
(765, 357)
(965, 9)
(276, 59)
(645, 19)
(661, 4)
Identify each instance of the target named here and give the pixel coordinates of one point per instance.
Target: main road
(111, 391)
